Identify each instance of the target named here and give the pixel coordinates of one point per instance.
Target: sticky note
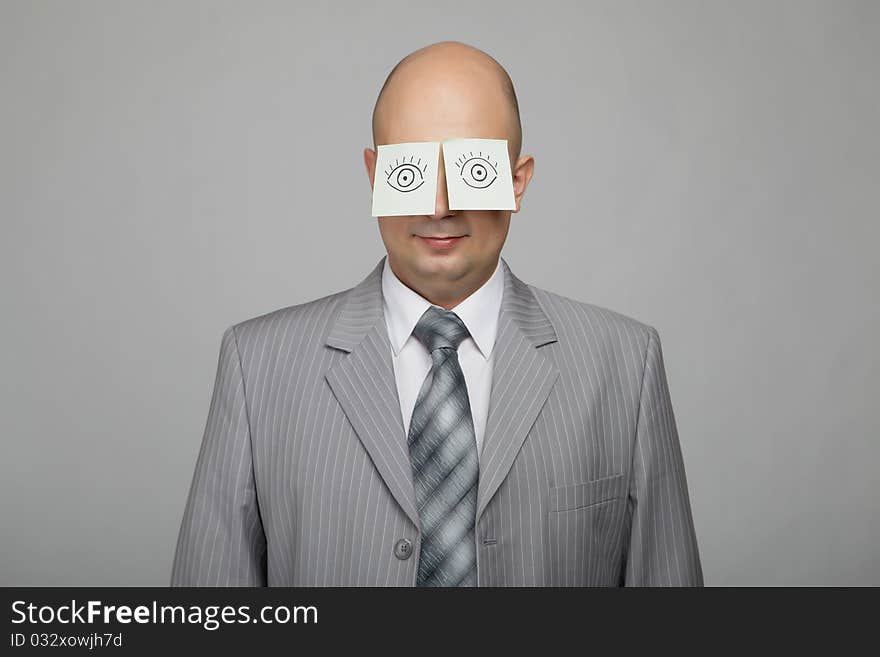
(478, 174)
(405, 182)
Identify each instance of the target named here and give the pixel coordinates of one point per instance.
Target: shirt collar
(404, 307)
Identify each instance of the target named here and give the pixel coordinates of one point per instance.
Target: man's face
(477, 235)
(454, 103)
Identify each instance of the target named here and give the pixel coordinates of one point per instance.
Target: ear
(370, 163)
(522, 174)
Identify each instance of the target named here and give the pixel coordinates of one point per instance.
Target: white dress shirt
(404, 307)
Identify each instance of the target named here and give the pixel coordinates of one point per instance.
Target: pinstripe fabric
(303, 476)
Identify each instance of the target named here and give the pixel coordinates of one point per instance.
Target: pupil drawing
(406, 176)
(476, 170)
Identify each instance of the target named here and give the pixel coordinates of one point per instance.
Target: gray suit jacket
(303, 477)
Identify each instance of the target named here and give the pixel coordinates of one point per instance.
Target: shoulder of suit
(300, 315)
(575, 316)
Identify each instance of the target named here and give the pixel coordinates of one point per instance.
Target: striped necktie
(443, 453)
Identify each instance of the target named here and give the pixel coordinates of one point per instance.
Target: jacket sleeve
(221, 540)
(662, 545)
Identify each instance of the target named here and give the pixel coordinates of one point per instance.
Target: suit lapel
(522, 378)
(364, 384)
(365, 387)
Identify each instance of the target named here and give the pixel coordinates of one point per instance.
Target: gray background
(168, 169)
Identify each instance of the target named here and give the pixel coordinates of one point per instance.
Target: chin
(451, 265)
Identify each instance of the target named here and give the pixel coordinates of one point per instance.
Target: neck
(445, 296)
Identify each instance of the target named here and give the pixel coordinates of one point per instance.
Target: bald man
(441, 423)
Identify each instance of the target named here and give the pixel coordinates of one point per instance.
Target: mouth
(441, 241)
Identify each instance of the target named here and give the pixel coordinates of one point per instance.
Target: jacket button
(403, 548)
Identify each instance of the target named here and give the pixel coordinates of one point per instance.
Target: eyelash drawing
(409, 176)
(476, 170)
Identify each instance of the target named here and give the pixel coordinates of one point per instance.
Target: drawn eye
(476, 170)
(406, 176)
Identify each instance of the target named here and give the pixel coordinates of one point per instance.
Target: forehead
(434, 108)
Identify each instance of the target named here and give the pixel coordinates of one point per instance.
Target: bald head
(446, 90)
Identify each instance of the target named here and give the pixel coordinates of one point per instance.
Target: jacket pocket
(576, 496)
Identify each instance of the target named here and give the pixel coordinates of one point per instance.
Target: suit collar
(363, 383)
(362, 309)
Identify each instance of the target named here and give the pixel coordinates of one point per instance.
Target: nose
(441, 203)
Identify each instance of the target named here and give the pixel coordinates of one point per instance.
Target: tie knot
(439, 328)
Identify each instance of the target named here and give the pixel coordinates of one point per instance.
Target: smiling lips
(441, 242)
